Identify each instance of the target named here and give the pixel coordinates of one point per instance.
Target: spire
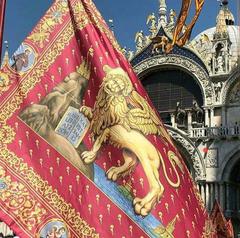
(221, 40)
(5, 60)
(162, 12)
(224, 18)
(229, 18)
(221, 26)
(225, 2)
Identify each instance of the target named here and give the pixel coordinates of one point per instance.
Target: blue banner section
(114, 192)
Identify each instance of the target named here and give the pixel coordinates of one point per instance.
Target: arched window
(235, 174)
(168, 86)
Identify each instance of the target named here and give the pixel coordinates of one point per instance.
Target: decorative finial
(6, 56)
(162, 12)
(111, 23)
(225, 2)
(139, 40)
(6, 44)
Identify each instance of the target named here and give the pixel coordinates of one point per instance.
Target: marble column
(202, 191)
(216, 191)
(206, 117)
(238, 199)
(207, 197)
(173, 121)
(227, 197)
(212, 194)
(189, 120)
(212, 117)
(222, 195)
(224, 116)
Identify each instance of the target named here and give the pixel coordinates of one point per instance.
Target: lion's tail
(174, 160)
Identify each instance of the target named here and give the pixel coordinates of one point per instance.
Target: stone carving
(196, 157)
(197, 113)
(235, 94)
(220, 64)
(180, 115)
(139, 40)
(212, 158)
(189, 65)
(159, 42)
(218, 89)
(227, 87)
(172, 20)
(172, 17)
(152, 22)
(124, 51)
(130, 54)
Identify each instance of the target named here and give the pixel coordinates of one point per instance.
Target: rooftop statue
(139, 39)
(152, 21)
(172, 20)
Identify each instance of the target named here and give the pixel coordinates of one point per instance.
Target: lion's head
(116, 82)
(111, 106)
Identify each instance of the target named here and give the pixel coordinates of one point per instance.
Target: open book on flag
(73, 126)
(83, 151)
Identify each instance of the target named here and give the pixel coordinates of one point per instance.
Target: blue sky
(129, 17)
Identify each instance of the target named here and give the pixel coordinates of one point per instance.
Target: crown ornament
(85, 67)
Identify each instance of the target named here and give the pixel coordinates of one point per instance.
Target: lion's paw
(143, 206)
(88, 156)
(87, 111)
(113, 173)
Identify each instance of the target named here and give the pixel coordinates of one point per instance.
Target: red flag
(224, 228)
(2, 17)
(83, 152)
(230, 230)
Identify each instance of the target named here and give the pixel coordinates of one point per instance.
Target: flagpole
(2, 18)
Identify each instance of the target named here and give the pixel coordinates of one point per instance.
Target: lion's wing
(144, 119)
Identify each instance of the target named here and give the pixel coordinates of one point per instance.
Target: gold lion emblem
(123, 117)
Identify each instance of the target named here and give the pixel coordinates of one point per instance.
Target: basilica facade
(196, 89)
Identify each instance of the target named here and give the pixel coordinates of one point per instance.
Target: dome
(219, 46)
(207, 35)
(205, 45)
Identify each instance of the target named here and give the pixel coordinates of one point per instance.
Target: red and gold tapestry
(82, 152)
